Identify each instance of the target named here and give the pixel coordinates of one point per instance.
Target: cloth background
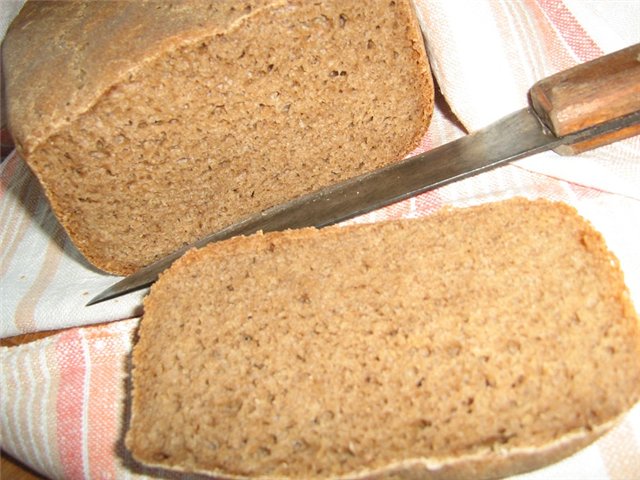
(63, 403)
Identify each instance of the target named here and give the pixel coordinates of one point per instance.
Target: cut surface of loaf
(152, 124)
(470, 344)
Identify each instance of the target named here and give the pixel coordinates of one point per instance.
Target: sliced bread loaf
(474, 343)
(153, 123)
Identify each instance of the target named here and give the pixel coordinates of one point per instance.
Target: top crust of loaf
(548, 324)
(108, 40)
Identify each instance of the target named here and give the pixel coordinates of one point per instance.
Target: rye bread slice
(477, 342)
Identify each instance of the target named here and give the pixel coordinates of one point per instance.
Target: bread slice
(473, 343)
(151, 124)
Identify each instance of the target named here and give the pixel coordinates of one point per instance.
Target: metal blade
(515, 136)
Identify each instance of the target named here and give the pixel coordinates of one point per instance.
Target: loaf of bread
(153, 123)
(474, 343)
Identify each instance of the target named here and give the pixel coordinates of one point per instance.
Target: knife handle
(589, 94)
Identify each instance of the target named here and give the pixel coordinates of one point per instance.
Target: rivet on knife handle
(590, 94)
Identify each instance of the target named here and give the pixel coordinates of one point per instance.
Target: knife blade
(587, 106)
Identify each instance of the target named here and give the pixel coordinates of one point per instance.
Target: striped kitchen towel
(64, 399)
(65, 408)
(509, 45)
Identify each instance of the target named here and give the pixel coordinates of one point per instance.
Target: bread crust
(485, 465)
(84, 48)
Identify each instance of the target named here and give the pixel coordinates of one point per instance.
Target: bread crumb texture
(152, 124)
(333, 352)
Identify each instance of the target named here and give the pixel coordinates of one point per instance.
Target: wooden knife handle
(590, 94)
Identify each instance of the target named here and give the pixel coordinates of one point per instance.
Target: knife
(573, 111)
